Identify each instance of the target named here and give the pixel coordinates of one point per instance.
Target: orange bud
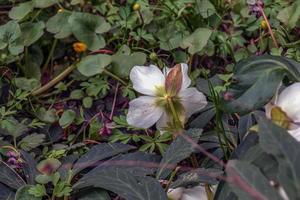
(174, 81)
(79, 47)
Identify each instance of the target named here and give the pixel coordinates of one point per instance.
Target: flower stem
(177, 121)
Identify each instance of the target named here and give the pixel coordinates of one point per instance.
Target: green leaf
(252, 176)
(13, 127)
(44, 3)
(26, 84)
(87, 102)
(67, 118)
(122, 64)
(290, 15)
(23, 194)
(124, 183)
(21, 10)
(205, 8)
(59, 25)
(256, 81)
(99, 152)
(179, 150)
(37, 190)
(31, 32)
(11, 37)
(48, 116)
(77, 94)
(10, 177)
(31, 141)
(197, 40)
(278, 142)
(87, 28)
(94, 64)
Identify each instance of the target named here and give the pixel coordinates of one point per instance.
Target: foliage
(63, 128)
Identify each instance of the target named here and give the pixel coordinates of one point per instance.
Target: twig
(269, 27)
(54, 81)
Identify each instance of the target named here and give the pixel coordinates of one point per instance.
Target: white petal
(289, 101)
(295, 133)
(162, 123)
(175, 194)
(195, 193)
(268, 109)
(192, 100)
(186, 81)
(143, 112)
(146, 79)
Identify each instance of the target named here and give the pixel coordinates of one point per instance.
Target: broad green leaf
(44, 3)
(10, 177)
(67, 118)
(170, 37)
(99, 152)
(179, 150)
(94, 64)
(250, 175)
(93, 194)
(205, 8)
(277, 141)
(124, 183)
(31, 141)
(197, 176)
(59, 25)
(23, 194)
(197, 40)
(138, 159)
(122, 64)
(256, 81)
(31, 32)
(88, 28)
(11, 37)
(21, 10)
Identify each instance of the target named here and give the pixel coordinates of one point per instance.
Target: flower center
(280, 118)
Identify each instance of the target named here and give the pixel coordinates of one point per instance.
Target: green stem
(114, 76)
(178, 123)
(50, 55)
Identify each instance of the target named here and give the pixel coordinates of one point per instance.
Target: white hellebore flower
(194, 193)
(159, 88)
(284, 110)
